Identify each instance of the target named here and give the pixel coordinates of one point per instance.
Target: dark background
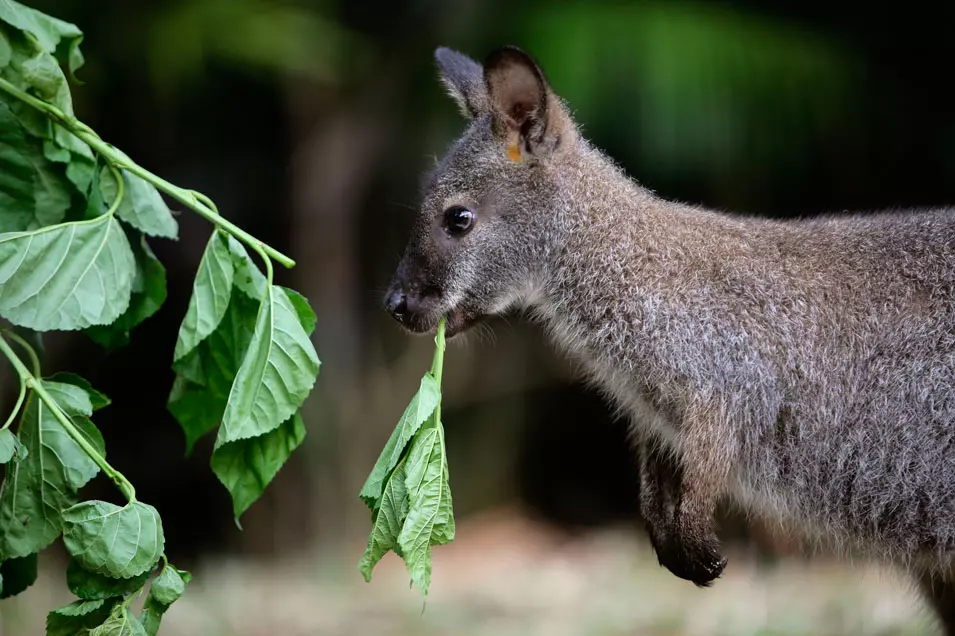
(309, 123)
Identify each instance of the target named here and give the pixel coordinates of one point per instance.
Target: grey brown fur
(803, 369)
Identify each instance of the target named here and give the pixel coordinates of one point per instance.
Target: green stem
(437, 365)
(34, 383)
(120, 160)
(16, 407)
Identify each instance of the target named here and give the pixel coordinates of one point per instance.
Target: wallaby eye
(458, 219)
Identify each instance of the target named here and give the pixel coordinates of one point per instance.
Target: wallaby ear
(521, 100)
(464, 79)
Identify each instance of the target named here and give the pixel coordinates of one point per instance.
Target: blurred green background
(309, 124)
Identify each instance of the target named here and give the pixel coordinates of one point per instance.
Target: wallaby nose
(396, 303)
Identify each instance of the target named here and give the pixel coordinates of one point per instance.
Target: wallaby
(802, 369)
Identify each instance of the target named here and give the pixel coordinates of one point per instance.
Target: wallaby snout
(413, 304)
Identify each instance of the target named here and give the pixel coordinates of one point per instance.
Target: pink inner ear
(517, 93)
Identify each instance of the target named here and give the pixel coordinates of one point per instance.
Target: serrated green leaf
(82, 172)
(169, 585)
(16, 175)
(77, 618)
(389, 519)
(141, 205)
(51, 192)
(39, 487)
(97, 400)
(43, 73)
(6, 53)
(279, 370)
(121, 542)
(81, 607)
(92, 586)
(17, 575)
(196, 409)
(248, 277)
(430, 519)
(55, 153)
(66, 276)
(302, 309)
(9, 445)
(33, 191)
(149, 293)
(121, 622)
(47, 30)
(205, 376)
(422, 405)
(211, 292)
(247, 466)
(163, 592)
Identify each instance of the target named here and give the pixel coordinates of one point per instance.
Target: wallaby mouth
(421, 316)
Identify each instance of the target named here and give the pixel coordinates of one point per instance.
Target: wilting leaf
(18, 574)
(66, 276)
(141, 205)
(211, 292)
(247, 466)
(43, 484)
(430, 519)
(389, 519)
(276, 375)
(422, 405)
(107, 539)
(148, 295)
(92, 586)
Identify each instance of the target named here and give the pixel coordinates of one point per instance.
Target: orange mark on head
(513, 152)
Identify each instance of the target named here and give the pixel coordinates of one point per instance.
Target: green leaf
(91, 586)
(246, 467)
(81, 607)
(148, 295)
(248, 278)
(97, 399)
(17, 575)
(201, 389)
(6, 53)
(16, 174)
(120, 542)
(388, 521)
(77, 618)
(211, 292)
(66, 276)
(141, 205)
(196, 409)
(422, 405)
(163, 592)
(302, 309)
(43, 73)
(430, 519)
(40, 486)
(169, 585)
(47, 30)
(121, 622)
(55, 153)
(276, 375)
(10, 446)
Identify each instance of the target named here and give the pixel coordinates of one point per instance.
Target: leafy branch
(195, 201)
(75, 216)
(30, 381)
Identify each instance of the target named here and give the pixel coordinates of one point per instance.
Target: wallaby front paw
(698, 561)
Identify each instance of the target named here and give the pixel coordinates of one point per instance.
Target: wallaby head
(481, 232)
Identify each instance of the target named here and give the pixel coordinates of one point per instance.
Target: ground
(507, 575)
